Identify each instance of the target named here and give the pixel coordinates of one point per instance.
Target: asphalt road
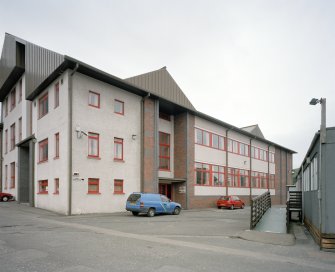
(196, 240)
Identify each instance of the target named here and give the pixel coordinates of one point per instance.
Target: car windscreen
(133, 197)
(225, 198)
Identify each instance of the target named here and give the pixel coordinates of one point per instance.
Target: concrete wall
(108, 125)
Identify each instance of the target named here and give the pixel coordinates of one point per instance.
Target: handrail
(259, 205)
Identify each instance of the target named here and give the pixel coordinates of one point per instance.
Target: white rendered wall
(56, 121)
(108, 125)
(168, 127)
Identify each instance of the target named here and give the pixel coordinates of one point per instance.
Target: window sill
(41, 162)
(118, 160)
(56, 158)
(165, 170)
(43, 193)
(94, 193)
(93, 157)
(40, 117)
(119, 113)
(56, 193)
(96, 107)
(117, 193)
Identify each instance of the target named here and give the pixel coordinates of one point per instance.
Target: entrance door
(165, 189)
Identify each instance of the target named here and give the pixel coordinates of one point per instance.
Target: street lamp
(322, 101)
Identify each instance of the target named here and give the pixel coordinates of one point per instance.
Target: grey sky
(244, 62)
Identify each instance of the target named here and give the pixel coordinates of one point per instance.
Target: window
(56, 145)
(56, 94)
(93, 186)
(12, 175)
(164, 151)
(118, 186)
(202, 173)
(118, 149)
(6, 106)
(213, 140)
(20, 129)
(43, 106)
(6, 141)
(230, 177)
(217, 175)
(20, 90)
(272, 182)
(164, 116)
(244, 178)
(118, 107)
(93, 145)
(56, 192)
(230, 145)
(263, 180)
(43, 186)
(314, 174)
(12, 99)
(43, 150)
(6, 176)
(271, 157)
(255, 179)
(12, 136)
(93, 99)
(198, 136)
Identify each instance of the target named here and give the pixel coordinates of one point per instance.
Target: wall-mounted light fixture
(80, 133)
(133, 136)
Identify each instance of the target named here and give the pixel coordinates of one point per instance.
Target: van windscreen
(133, 197)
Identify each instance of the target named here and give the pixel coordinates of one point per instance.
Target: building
(76, 139)
(316, 181)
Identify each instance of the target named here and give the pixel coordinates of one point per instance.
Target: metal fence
(259, 205)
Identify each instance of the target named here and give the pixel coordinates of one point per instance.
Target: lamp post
(313, 102)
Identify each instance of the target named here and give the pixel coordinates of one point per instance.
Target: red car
(231, 202)
(6, 197)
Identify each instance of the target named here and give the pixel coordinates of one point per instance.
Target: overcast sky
(243, 62)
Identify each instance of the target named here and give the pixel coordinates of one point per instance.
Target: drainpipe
(187, 157)
(250, 166)
(70, 118)
(227, 158)
(268, 169)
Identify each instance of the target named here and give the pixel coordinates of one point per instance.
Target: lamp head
(314, 101)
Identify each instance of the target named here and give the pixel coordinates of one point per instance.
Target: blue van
(151, 204)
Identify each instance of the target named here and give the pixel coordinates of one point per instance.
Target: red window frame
(20, 91)
(121, 104)
(6, 176)
(6, 141)
(12, 137)
(202, 174)
(56, 190)
(57, 145)
(43, 187)
(164, 146)
(210, 143)
(93, 137)
(118, 186)
(43, 151)
(93, 182)
(89, 99)
(272, 181)
(220, 172)
(56, 94)
(20, 129)
(118, 142)
(43, 106)
(255, 178)
(12, 175)
(12, 99)
(164, 116)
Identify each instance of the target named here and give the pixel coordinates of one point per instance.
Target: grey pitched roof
(255, 130)
(161, 83)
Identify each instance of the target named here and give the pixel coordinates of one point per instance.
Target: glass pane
(198, 136)
(221, 143)
(206, 138)
(215, 141)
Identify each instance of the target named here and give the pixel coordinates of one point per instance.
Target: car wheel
(242, 206)
(219, 207)
(151, 212)
(232, 207)
(5, 199)
(135, 213)
(176, 211)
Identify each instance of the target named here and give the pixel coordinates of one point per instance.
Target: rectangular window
(118, 186)
(164, 151)
(12, 99)
(12, 175)
(118, 107)
(272, 157)
(118, 149)
(165, 116)
(263, 180)
(20, 90)
(56, 145)
(230, 177)
(202, 173)
(230, 145)
(94, 99)
(217, 175)
(205, 138)
(56, 192)
(215, 141)
(198, 136)
(43, 106)
(6, 106)
(221, 143)
(93, 186)
(56, 94)
(93, 145)
(20, 129)
(43, 186)
(12, 136)
(255, 179)
(272, 182)
(6, 141)
(6, 176)
(43, 150)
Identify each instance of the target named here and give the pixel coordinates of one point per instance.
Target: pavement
(36, 240)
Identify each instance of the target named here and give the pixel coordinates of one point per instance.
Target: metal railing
(259, 205)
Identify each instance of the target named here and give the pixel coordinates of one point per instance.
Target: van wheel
(135, 213)
(242, 206)
(176, 211)
(232, 207)
(151, 212)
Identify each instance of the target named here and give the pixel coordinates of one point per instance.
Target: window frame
(89, 100)
(43, 187)
(56, 89)
(56, 186)
(92, 136)
(93, 181)
(12, 137)
(13, 99)
(6, 176)
(56, 145)
(43, 105)
(119, 102)
(6, 141)
(41, 145)
(117, 183)
(12, 175)
(20, 129)
(118, 142)
(165, 157)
